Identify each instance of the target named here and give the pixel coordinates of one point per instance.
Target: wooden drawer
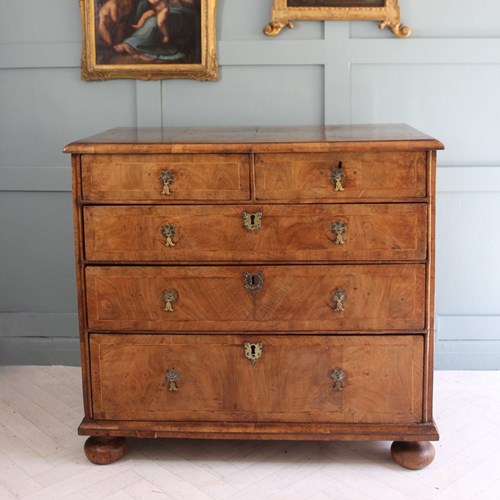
(287, 233)
(136, 178)
(291, 381)
(378, 298)
(300, 176)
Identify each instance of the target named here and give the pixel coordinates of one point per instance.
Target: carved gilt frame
(106, 53)
(385, 11)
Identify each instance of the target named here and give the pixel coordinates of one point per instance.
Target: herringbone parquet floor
(41, 456)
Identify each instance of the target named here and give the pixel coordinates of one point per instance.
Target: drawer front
(358, 298)
(276, 233)
(365, 379)
(296, 176)
(165, 177)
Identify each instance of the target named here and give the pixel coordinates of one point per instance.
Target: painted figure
(160, 10)
(112, 16)
(166, 30)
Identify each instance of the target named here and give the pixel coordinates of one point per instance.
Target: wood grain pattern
(288, 233)
(380, 298)
(129, 178)
(290, 383)
(302, 177)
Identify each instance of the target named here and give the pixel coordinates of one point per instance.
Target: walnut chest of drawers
(256, 283)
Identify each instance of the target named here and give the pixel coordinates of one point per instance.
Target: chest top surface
(255, 139)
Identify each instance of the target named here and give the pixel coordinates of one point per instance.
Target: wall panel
(253, 95)
(457, 102)
(36, 252)
(41, 110)
(468, 228)
(41, 22)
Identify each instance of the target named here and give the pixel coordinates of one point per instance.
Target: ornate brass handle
(168, 231)
(338, 376)
(337, 176)
(338, 298)
(167, 177)
(172, 377)
(338, 229)
(252, 221)
(253, 281)
(253, 350)
(169, 297)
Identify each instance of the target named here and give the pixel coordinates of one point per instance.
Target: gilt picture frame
(285, 12)
(148, 39)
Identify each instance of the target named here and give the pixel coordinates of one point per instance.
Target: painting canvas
(148, 39)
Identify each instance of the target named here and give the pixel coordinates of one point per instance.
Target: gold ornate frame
(204, 68)
(384, 11)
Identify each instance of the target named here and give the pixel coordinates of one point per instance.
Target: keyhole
(253, 350)
(254, 283)
(252, 219)
(340, 165)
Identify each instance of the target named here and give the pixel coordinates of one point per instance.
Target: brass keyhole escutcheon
(253, 351)
(339, 228)
(337, 176)
(338, 376)
(172, 377)
(253, 281)
(252, 221)
(167, 178)
(169, 297)
(338, 298)
(168, 232)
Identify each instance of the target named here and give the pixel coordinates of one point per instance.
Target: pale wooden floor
(41, 456)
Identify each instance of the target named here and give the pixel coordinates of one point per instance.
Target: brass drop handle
(338, 298)
(167, 178)
(169, 297)
(338, 376)
(172, 377)
(337, 176)
(339, 228)
(168, 231)
(253, 350)
(252, 221)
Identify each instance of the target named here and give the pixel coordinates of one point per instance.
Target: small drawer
(351, 379)
(305, 233)
(340, 176)
(333, 298)
(165, 177)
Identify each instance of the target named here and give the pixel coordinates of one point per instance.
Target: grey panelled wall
(444, 80)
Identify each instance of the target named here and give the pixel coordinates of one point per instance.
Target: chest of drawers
(256, 283)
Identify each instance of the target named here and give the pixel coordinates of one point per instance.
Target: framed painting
(148, 39)
(284, 12)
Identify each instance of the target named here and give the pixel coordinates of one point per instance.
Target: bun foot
(105, 450)
(413, 454)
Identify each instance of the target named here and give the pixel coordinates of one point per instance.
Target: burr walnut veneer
(256, 283)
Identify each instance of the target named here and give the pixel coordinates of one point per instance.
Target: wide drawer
(340, 176)
(370, 232)
(360, 298)
(365, 379)
(165, 177)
